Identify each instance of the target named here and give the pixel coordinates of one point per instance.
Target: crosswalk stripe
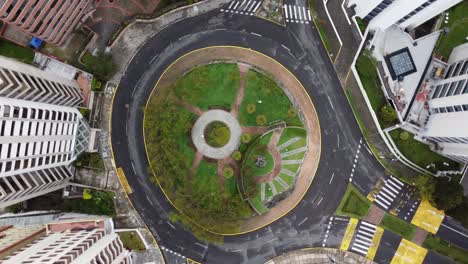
(286, 11)
(394, 184)
(295, 12)
(308, 13)
(360, 251)
(388, 197)
(299, 12)
(384, 206)
(363, 229)
(363, 237)
(304, 13)
(290, 11)
(397, 181)
(241, 5)
(390, 187)
(233, 2)
(388, 191)
(255, 9)
(368, 224)
(247, 5)
(383, 200)
(252, 6)
(235, 7)
(361, 246)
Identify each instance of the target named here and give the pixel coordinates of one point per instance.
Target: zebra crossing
(389, 192)
(244, 7)
(363, 238)
(297, 14)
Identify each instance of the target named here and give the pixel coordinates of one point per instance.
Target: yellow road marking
(370, 197)
(428, 217)
(123, 181)
(349, 234)
(409, 252)
(375, 243)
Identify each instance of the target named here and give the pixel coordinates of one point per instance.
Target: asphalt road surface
(299, 48)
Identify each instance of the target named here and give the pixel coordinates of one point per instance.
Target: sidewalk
(351, 39)
(319, 255)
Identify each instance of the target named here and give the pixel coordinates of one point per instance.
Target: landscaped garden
(398, 226)
(420, 153)
(353, 204)
(205, 188)
(457, 28)
(15, 51)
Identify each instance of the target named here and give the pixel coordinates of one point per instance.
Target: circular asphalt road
(299, 48)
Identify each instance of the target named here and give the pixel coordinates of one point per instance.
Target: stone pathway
(220, 173)
(254, 130)
(276, 158)
(192, 108)
(294, 151)
(196, 162)
(243, 70)
(287, 143)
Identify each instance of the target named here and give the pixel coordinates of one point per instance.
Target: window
(400, 63)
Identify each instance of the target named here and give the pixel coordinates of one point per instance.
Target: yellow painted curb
(370, 197)
(348, 236)
(191, 261)
(123, 181)
(428, 217)
(375, 243)
(408, 252)
(120, 180)
(157, 180)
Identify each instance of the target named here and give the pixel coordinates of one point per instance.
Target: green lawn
(258, 148)
(443, 247)
(367, 70)
(362, 24)
(398, 226)
(12, 50)
(353, 204)
(257, 203)
(131, 240)
(206, 179)
(420, 153)
(269, 100)
(458, 30)
(92, 160)
(210, 85)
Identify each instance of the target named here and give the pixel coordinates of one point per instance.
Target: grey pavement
(203, 121)
(319, 255)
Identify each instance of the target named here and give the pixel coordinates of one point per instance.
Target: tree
(426, 185)
(448, 194)
(101, 66)
(388, 114)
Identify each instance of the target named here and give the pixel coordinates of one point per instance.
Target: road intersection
(345, 157)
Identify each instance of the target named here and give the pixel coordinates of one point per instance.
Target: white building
(447, 126)
(68, 241)
(41, 133)
(407, 14)
(26, 82)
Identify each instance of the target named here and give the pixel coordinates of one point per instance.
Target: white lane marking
(150, 201)
(256, 34)
(358, 250)
(331, 179)
(133, 166)
(201, 245)
(252, 6)
(320, 200)
(338, 140)
(368, 224)
(181, 38)
(329, 99)
(290, 11)
(304, 13)
(169, 223)
(154, 58)
(463, 234)
(305, 219)
(285, 47)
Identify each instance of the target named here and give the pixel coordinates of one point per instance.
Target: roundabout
(219, 95)
(297, 220)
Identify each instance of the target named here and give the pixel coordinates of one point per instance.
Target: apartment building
(381, 14)
(41, 133)
(447, 125)
(67, 241)
(49, 20)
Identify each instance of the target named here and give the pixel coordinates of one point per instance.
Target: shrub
(217, 134)
(87, 195)
(251, 108)
(245, 138)
(236, 155)
(261, 120)
(404, 135)
(228, 172)
(292, 112)
(388, 115)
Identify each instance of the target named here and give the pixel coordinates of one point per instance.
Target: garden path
(220, 173)
(196, 162)
(243, 70)
(276, 157)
